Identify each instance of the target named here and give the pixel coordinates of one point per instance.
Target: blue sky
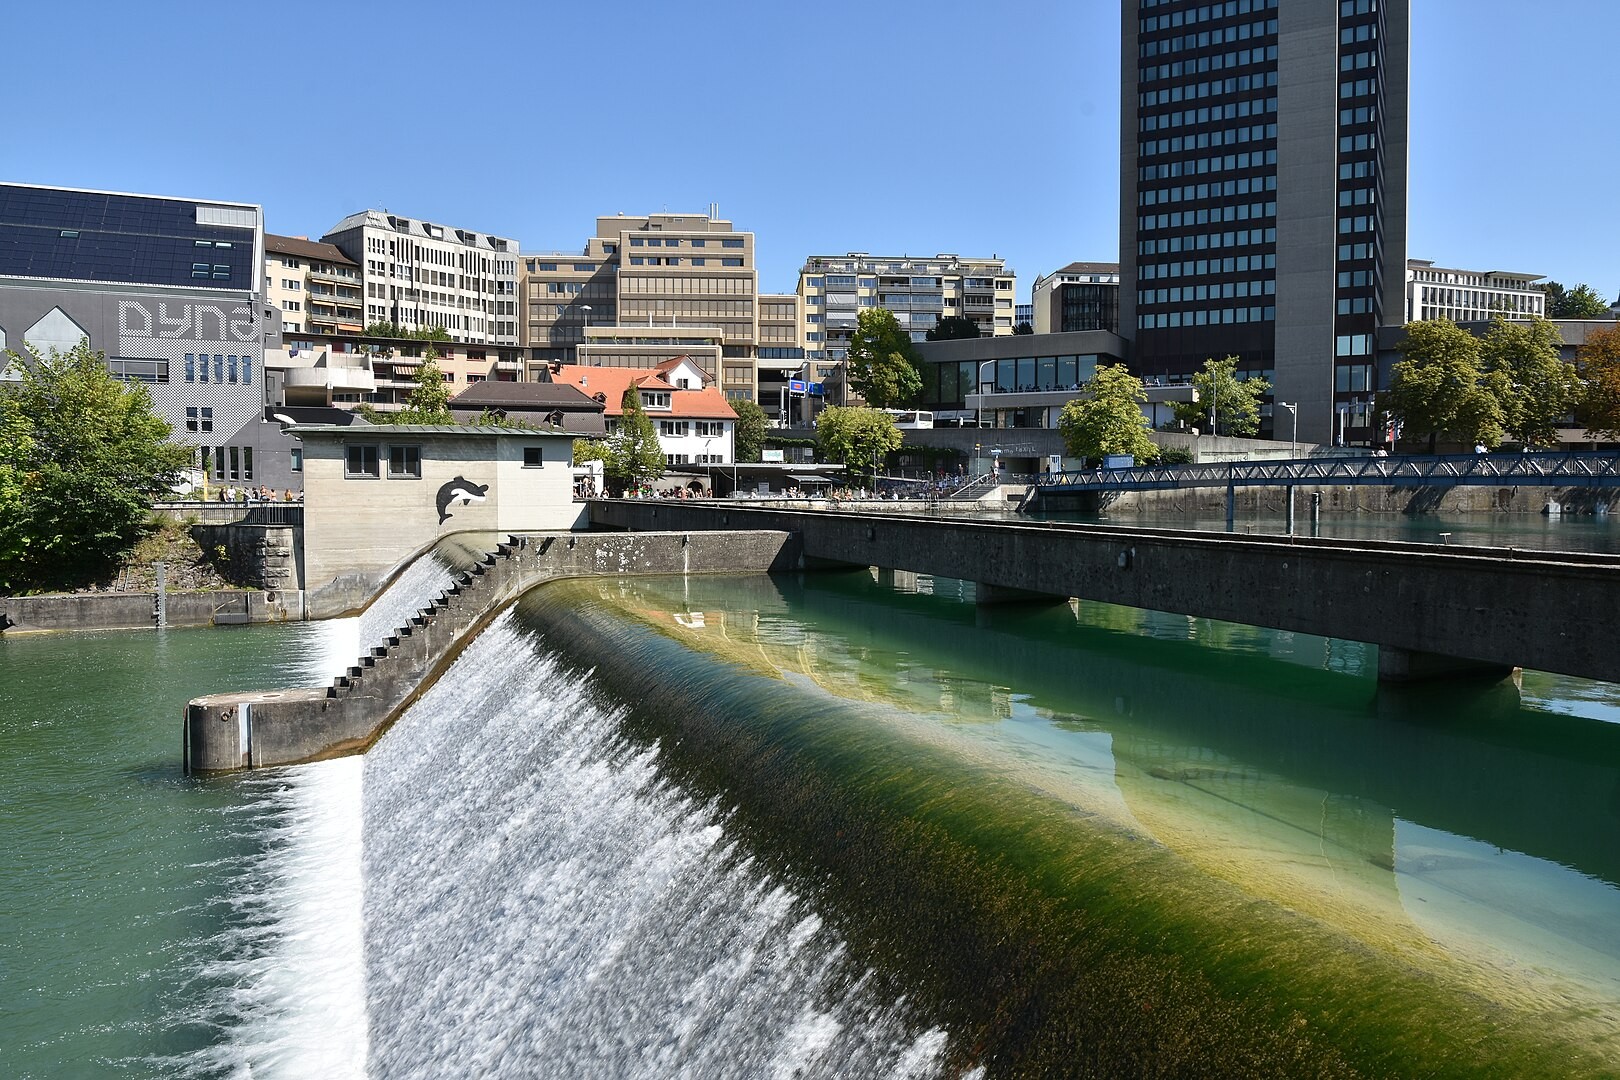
(889, 127)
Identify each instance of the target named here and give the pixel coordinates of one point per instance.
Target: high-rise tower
(1263, 194)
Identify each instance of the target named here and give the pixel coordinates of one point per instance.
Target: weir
(225, 732)
(1433, 611)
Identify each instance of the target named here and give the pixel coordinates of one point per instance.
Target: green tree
(882, 362)
(83, 456)
(1581, 302)
(429, 402)
(1236, 402)
(1438, 387)
(1599, 360)
(748, 437)
(1107, 418)
(1023, 329)
(954, 328)
(635, 456)
(855, 437)
(591, 450)
(1537, 390)
(385, 329)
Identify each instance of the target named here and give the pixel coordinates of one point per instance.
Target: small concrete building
(377, 495)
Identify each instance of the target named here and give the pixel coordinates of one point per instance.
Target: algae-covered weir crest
(1433, 611)
(282, 727)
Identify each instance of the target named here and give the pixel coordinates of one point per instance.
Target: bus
(911, 418)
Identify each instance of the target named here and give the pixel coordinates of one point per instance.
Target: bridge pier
(1397, 665)
(1001, 594)
(899, 580)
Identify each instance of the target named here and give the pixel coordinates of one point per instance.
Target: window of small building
(405, 463)
(360, 461)
(534, 457)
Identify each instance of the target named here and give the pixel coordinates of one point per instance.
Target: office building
(681, 283)
(1081, 296)
(1434, 292)
(920, 292)
(1263, 167)
(420, 275)
(167, 288)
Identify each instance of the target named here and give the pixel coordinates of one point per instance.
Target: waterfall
(540, 899)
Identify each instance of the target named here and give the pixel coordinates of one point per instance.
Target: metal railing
(1570, 469)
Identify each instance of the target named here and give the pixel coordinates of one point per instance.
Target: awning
(809, 478)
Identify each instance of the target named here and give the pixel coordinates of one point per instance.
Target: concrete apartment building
(167, 288)
(419, 275)
(1263, 157)
(1434, 292)
(920, 291)
(682, 282)
(314, 285)
(1081, 296)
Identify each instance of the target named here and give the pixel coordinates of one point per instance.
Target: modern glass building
(1263, 194)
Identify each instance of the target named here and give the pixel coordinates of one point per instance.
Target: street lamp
(586, 308)
(1293, 435)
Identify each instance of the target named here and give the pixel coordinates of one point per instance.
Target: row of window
(1350, 35)
(653, 260)
(1360, 196)
(1233, 84)
(1353, 345)
(1359, 223)
(725, 286)
(1367, 114)
(1207, 140)
(1232, 110)
(1213, 215)
(1356, 305)
(1351, 143)
(225, 368)
(1358, 88)
(1206, 317)
(1225, 290)
(1204, 39)
(1220, 189)
(363, 461)
(704, 429)
(219, 271)
(1207, 241)
(1204, 13)
(675, 242)
(1260, 54)
(1200, 166)
(1358, 61)
(234, 462)
(1237, 264)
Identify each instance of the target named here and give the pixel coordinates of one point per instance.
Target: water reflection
(1433, 824)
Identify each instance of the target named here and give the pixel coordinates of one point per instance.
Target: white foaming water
(286, 978)
(539, 901)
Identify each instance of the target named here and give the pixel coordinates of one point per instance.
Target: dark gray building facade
(167, 288)
(1263, 153)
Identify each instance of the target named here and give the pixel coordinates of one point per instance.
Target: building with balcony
(356, 369)
(1263, 162)
(314, 285)
(420, 275)
(166, 287)
(1434, 292)
(920, 291)
(685, 277)
(1081, 296)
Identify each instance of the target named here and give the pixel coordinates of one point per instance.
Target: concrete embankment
(138, 610)
(224, 732)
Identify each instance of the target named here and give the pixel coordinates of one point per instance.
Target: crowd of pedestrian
(261, 494)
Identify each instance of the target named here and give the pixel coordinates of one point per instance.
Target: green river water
(1074, 839)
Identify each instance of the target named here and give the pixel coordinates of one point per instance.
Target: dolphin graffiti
(459, 490)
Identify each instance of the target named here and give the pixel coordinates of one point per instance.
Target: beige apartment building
(920, 291)
(418, 274)
(645, 289)
(315, 286)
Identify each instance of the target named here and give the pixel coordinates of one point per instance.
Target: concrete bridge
(1433, 611)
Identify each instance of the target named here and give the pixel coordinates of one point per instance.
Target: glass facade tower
(1263, 194)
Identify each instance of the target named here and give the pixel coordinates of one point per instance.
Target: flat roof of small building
(431, 431)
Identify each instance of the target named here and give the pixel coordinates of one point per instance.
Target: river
(812, 826)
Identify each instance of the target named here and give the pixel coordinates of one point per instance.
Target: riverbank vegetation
(82, 458)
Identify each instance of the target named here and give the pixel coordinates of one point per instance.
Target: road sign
(796, 386)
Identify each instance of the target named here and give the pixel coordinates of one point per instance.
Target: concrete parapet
(263, 728)
(138, 610)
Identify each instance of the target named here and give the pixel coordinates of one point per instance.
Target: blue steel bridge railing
(1581, 468)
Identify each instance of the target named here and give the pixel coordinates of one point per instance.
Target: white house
(695, 423)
